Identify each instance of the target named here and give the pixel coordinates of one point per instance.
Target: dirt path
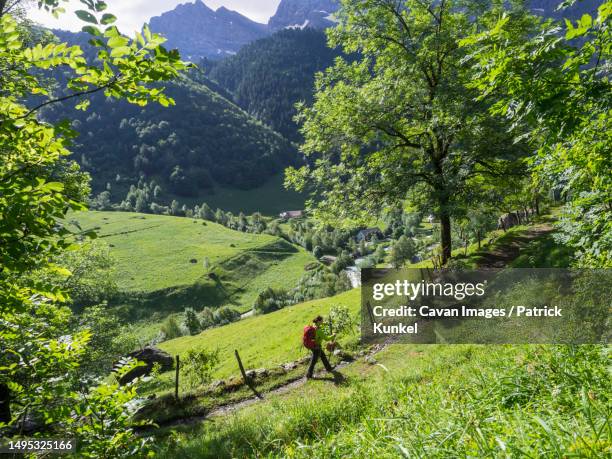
(504, 254)
(284, 388)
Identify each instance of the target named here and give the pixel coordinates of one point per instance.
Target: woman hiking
(313, 339)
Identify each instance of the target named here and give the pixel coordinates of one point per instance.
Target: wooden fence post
(244, 375)
(176, 378)
(247, 380)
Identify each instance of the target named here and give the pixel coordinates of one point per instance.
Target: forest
(448, 135)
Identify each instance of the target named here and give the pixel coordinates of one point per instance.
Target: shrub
(368, 262)
(340, 321)
(225, 315)
(198, 366)
(271, 300)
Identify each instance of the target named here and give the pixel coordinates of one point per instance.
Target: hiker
(313, 339)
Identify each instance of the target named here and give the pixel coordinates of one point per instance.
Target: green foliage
(401, 121)
(198, 365)
(402, 251)
(192, 323)
(108, 340)
(340, 322)
(309, 236)
(109, 432)
(190, 148)
(269, 76)
(41, 353)
(554, 78)
(271, 300)
(90, 280)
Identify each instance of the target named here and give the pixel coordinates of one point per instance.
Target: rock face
(200, 32)
(303, 13)
(149, 356)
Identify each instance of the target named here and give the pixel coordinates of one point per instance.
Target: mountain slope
(198, 31)
(204, 139)
(269, 76)
(161, 263)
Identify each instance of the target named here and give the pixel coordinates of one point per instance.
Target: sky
(132, 14)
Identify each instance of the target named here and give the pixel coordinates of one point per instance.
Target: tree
(401, 122)
(192, 323)
(206, 213)
(38, 187)
(171, 328)
(402, 251)
(555, 78)
(108, 342)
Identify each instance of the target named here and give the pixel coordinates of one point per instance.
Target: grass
(154, 252)
(269, 340)
(159, 265)
(416, 401)
(426, 401)
(266, 341)
(263, 341)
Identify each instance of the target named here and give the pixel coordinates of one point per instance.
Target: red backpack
(308, 338)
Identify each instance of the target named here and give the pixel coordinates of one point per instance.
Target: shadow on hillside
(231, 280)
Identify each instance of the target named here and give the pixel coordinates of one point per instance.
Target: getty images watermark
(489, 306)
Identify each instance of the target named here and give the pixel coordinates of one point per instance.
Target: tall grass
(469, 401)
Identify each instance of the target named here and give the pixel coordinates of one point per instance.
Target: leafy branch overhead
(41, 354)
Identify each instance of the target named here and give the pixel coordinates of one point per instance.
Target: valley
(192, 215)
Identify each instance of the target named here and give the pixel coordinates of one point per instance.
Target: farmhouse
(291, 214)
(368, 234)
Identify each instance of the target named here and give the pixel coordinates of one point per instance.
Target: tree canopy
(402, 121)
(38, 187)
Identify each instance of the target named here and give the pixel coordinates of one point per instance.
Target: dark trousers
(316, 354)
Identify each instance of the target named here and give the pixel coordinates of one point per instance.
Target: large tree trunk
(445, 236)
(5, 404)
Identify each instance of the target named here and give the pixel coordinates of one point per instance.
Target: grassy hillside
(160, 262)
(433, 401)
(263, 341)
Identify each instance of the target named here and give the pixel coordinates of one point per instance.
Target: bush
(368, 262)
(225, 315)
(340, 321)
(198, 366)
(271, 300)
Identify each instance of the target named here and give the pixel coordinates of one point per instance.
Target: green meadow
(163, 264)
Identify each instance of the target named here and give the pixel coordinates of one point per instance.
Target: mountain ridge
(201, 32)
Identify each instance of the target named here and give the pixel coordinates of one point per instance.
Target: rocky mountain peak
(198, 31)
(303, 13)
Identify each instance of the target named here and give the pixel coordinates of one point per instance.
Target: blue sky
(133, 13)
